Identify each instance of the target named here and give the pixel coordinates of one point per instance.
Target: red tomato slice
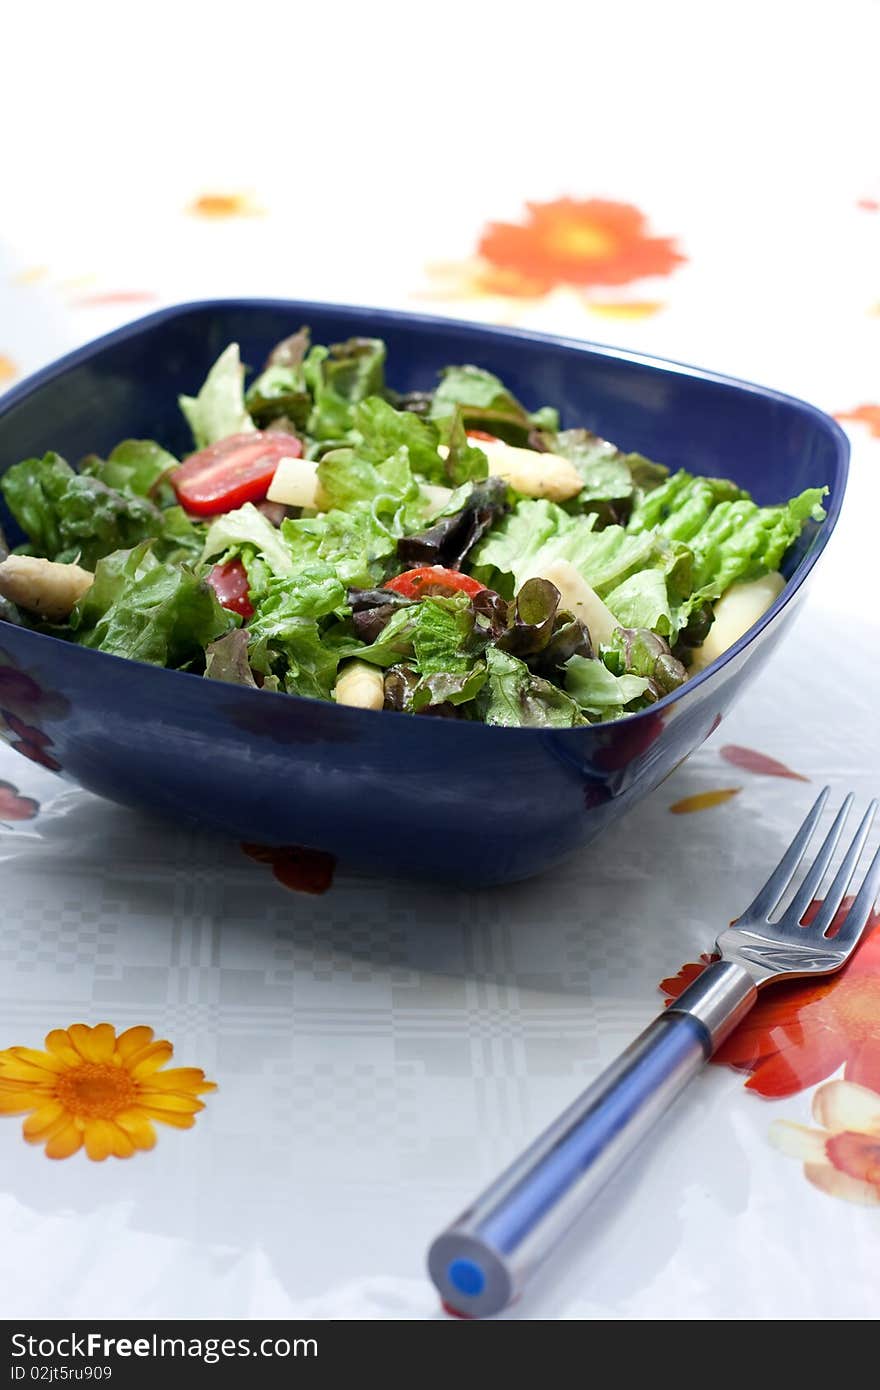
(481, 434)
(434, 579)
(230, 584)
(232, 471)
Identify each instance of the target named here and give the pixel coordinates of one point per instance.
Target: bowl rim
(472, 328)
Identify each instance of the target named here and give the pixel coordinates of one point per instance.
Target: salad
(445, 552)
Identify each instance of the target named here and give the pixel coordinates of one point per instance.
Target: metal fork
(486, 1257)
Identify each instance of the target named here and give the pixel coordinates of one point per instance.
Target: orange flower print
(97, 1090)
(703, 801)
(863, 415)
(217, 206)
(8, 369)
(799, 1033)
(559, 259)
(842, 1158)
(575, 243)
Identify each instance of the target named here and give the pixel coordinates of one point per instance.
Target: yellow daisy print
(95, 1090)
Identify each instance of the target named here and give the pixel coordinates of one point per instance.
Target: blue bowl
(389, 793)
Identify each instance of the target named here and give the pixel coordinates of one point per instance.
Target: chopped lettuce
(598, 692)
(135, 467)
(513, 697)
(485, 403)
(281, 391)
(219, 409)
(304, 657)
(382, 431)
(389, 489)
(248, 527)
(338, 378)
(355, 542)
(538, 532)
(442, 634)
(143, 609)
(69, 516)
(638, 652)
(314, 592)
(227, 659)
(468, 514)
(741, 540)
(656, 549)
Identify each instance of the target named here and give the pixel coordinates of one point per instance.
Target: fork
(486, 1257)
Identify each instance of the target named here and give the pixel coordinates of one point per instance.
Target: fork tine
(854, 922)
(834, 897)
(817, 869)
(785, 870)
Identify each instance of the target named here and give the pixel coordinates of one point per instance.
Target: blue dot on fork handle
(466, 1277)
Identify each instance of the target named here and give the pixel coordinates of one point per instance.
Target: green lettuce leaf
(314, 592)
(512, 696)
(219, 409)
(383, 431)
(612, 479)
(227, 659)
(485, 403)
(248, 527)
(598, 692)
(67, 516)
(406, 690)
(338, 378)
(680, 506)
(464, 462)
(442, 633)
(643, 601)
(145, 610)
(740, 540)
(297, 653)
(638, 652)
(355, 542)
(538, 532)
(135, 467)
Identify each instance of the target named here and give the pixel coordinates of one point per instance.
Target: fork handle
(484, 1259)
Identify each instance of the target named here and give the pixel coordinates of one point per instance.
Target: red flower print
(752, 761)
(800, 1032)
(105, 297)
(30, 742)
(303, 870)
(16, 807)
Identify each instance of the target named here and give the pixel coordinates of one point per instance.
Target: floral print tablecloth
(265, 1082)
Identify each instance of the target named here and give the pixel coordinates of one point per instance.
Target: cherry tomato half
(230, 584)
(434, 579)
(232, 471)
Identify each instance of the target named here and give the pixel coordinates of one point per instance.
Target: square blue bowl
(389, 793)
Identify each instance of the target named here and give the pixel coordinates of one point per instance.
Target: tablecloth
(698, 183)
